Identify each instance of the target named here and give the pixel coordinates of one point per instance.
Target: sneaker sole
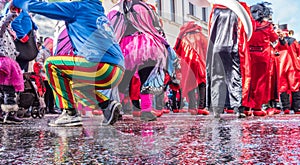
(66, 125)
(115, 114)
(11, 122)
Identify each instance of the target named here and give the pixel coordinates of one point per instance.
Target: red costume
(291, 83)
(261, 63)
(294, 51)
(191, 46)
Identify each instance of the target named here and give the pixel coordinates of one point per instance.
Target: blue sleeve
(55, 10)
(17, 26)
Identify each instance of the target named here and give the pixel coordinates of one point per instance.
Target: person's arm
(55, 10)
(273, 34)
(18, 26)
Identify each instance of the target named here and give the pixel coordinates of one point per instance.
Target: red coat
(245, 61)
(294, 77)
(38, 79)
(261, 63)
(191, 46)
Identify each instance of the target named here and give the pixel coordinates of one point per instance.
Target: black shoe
(111, 113)
(13, 119)
(148, 116)
(1, 119)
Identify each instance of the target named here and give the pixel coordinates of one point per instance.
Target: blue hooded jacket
(89, 29)
(23, 24)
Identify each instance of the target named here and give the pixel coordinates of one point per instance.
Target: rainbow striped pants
(76, 80)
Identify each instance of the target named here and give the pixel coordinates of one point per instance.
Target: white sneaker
(111, 113)
(65, 120)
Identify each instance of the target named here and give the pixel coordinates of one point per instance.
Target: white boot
(9, 108)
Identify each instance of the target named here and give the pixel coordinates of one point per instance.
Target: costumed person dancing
(228, 59)
(11, 77)
(294, 51)
(144, 48)
(262, 90)
(282, 71)
(191, 47)
(98, 62)
(289, 75)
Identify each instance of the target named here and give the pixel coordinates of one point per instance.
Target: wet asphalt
(173, 139)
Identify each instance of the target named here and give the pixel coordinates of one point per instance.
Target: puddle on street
(173, 139)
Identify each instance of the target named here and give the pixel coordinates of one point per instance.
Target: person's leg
(134, 94)
(202, 100)
(202, 96)
(59, 74)
(87, 79)
(159, 101)
(1, 102)
(285, 102)
(174, 101)
(192, 107)
(9, 105)
(192, 99)
(69, 75)
(49, 98)
(60, 81)
(146, 98)
(296, 102)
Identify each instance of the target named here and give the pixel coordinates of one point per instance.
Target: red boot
(203, 111)
(286, 111)
(228, 111)
(259, 112)
(175, 110)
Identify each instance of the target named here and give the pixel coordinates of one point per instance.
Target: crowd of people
(122, 60)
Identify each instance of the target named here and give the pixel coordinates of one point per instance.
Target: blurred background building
(175, 13)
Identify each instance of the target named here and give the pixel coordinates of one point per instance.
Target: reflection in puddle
(173, 139)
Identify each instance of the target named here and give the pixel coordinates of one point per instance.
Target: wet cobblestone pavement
(173, 139)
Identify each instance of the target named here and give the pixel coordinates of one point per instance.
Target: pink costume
(145, 43)
(138, 32)
(10, 71)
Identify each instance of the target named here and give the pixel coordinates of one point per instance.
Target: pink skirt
(138, 48)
